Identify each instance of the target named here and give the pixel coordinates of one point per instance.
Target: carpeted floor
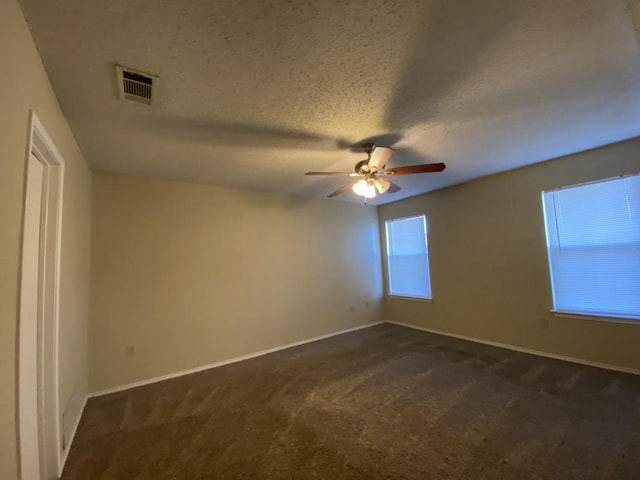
(387, 402)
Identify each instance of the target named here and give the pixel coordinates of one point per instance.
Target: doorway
(38, 419)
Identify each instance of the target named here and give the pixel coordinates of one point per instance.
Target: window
(593, 242)
(407, 257)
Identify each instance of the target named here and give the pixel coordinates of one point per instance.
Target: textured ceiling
(255, 93)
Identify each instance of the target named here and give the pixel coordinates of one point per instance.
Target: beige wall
(24, 85)
(193, 274)
(489, 266)
(635, 8)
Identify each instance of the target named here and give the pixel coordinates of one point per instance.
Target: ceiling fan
(374, 175)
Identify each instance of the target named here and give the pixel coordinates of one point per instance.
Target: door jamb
(49, 425)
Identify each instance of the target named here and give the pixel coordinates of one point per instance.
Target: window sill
(596, 318)
(415, 299)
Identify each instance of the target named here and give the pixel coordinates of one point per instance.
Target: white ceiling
(255, 93)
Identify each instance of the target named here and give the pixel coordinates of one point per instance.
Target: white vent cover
(137, 86)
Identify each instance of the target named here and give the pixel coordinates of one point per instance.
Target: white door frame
(48, 439)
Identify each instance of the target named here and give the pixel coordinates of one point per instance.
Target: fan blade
(335, 174)
(428, 168)
(379, 158)
(393, 188)
(341, 190)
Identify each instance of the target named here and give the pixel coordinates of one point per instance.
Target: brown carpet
(387, 402)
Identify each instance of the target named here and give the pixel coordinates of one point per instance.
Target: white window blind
(407, 257)
(593, 242)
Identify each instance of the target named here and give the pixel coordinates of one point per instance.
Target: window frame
(608, 317)
(388, 292)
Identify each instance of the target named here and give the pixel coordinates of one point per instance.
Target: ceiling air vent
(136, 86)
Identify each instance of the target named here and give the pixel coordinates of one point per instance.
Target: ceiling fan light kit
(373, 171)
(364, 188)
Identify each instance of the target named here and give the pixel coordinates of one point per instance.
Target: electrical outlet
(131, 350)
(635, 9)
(366, 305)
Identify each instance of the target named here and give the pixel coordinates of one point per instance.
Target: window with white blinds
(407, 257)
(593, 243)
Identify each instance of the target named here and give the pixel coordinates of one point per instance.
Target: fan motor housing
(361, 167)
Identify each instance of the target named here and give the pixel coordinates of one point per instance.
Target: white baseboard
(226, 362)
(523, 350)
(62, 460)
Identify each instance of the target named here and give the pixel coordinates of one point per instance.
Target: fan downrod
(368, 147)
